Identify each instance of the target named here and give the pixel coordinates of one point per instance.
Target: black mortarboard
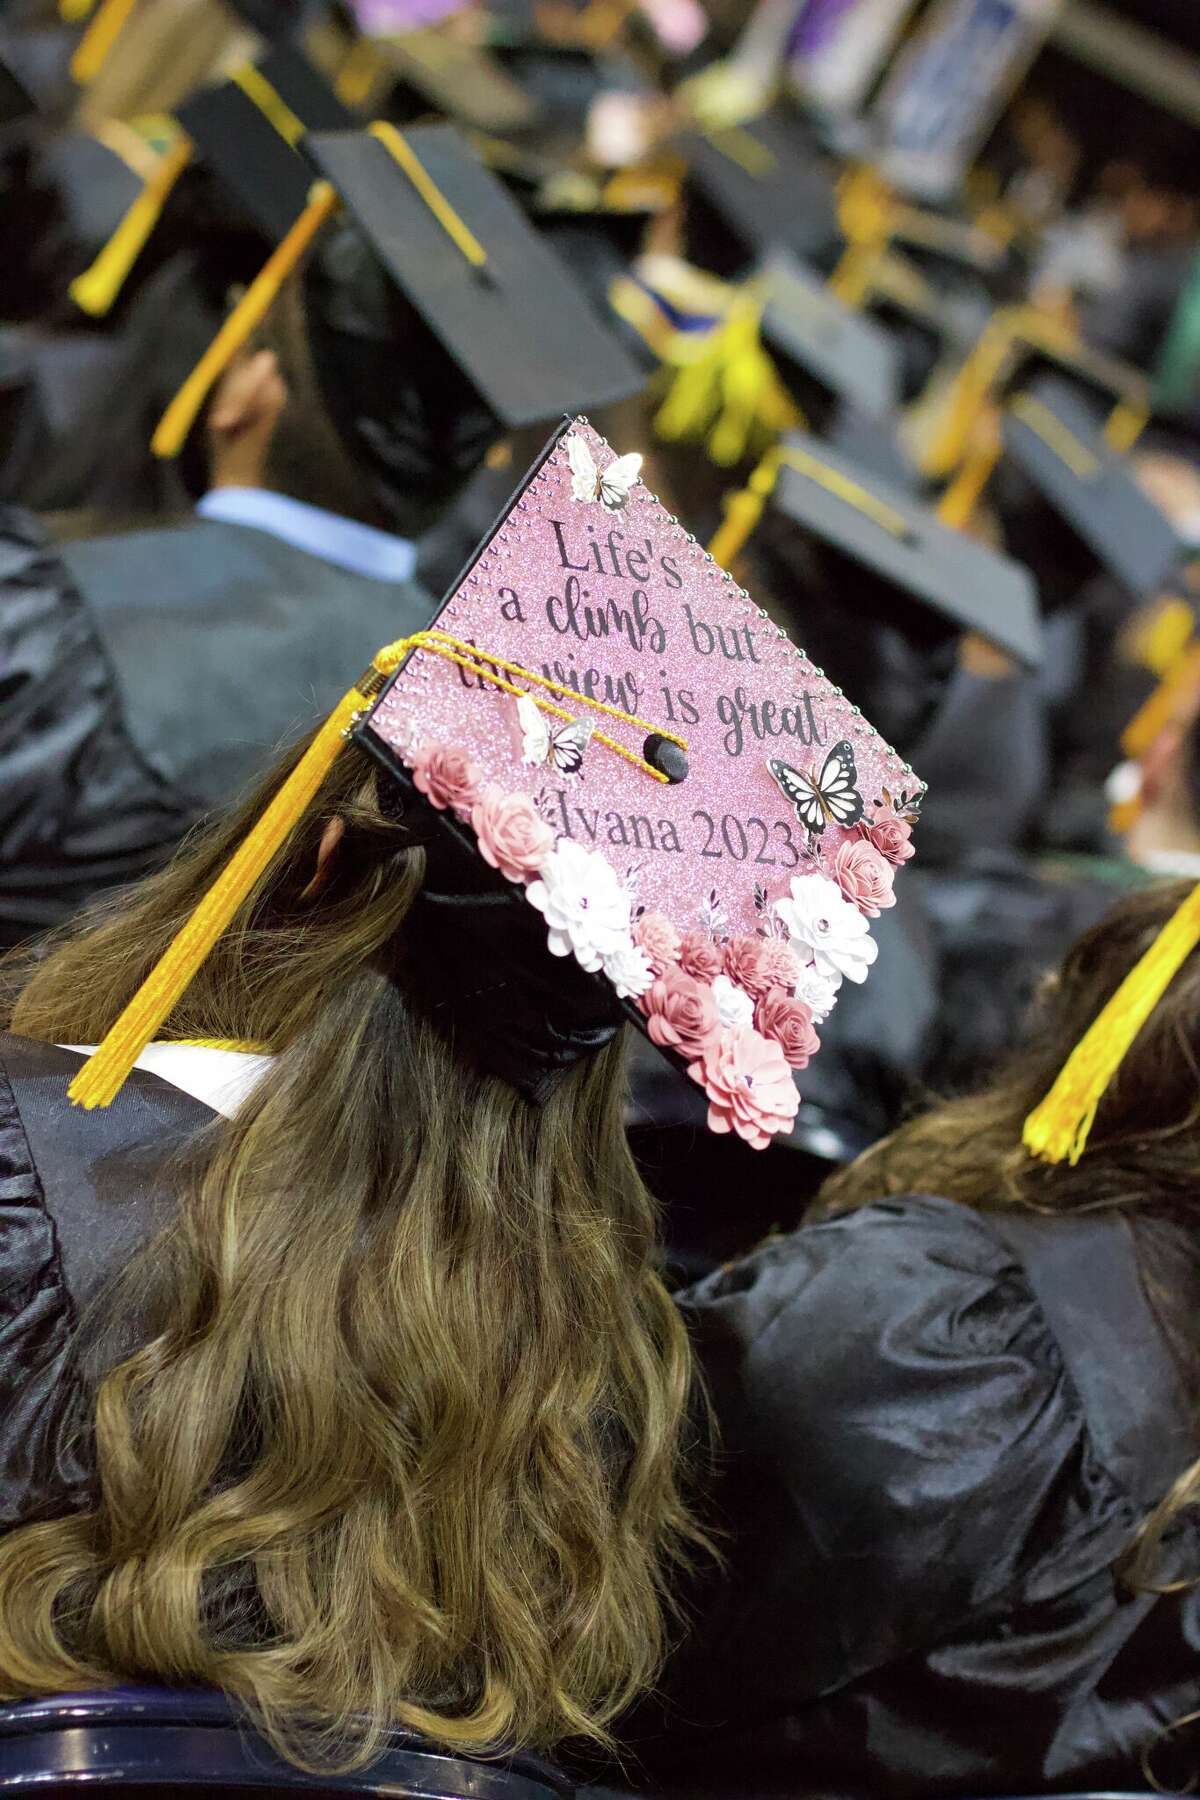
(827, 353)
(437, 318)
(515, 325)
(923, 323)
(754, 188)
(246, 131)
(888, 555)
(1071, 505)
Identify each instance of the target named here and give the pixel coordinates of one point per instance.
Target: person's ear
(327, 851)
(242, 419)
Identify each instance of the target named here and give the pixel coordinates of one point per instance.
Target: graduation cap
(437, 317)
(1071, 504)
(892, 554)
(755, 187)
(924, 325)
(829, 354)
(1019, 344)
(245, 133)
(637, 800)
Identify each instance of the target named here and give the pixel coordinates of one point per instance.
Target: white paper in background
(838, 47)
(949, 88)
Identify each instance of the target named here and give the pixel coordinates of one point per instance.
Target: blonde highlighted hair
(400, 1440)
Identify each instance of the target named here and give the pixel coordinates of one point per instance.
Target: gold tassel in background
(1057, 1130)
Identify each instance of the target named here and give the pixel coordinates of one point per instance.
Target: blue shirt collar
(345, 542)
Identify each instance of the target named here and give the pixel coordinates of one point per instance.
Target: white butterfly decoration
(560, 742)
(609, 486)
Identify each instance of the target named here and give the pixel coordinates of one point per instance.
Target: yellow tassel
(1161, 634)
(956, 507)
(456, 229)
(743, 510)
(104, 1073)
(1173, 694)
(1058, 1129)
(91, 53)
(97, 288)
(74, 12)
(246, 317)
(1126, 423)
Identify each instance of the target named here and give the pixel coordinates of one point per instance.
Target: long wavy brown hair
(399, 1436)
(1142, 1157)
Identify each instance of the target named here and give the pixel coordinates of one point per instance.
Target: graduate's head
(416, 319)
(413, 1390)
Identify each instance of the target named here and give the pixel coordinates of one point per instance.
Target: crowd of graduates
(292, 297)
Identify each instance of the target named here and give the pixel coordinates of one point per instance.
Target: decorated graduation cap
(244, 133)
(637, 800)
(753, 187)
(886, 548)
(437, 317)
(1071, 504)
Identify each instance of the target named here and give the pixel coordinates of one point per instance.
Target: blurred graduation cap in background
(829, 355)
(1071, 505)
(437, 319)
(599, 225)
(228, 169)
(752, 188)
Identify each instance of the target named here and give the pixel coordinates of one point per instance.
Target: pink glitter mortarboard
(685, 894)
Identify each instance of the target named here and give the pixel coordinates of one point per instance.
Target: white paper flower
(629, 970)
(819, 992)
(835, 934)
(584, 904)
(734, 1005)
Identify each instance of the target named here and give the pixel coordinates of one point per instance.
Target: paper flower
(789, 1023)
(890, 835)
(447, 777)
(512, 835)
(583, 903)
(700, 956)
(780, 968)
(734, 1005)
(681, 1014)
(744, 964)
(656, 935)
(629, 970)
(835, 934)
(817, 991)
(865, 877)
(749, 1086)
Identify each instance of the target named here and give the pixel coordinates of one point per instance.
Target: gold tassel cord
(95, 291)
(1058, 1129)
(1082, 462)
(273, 107)
(92, 51)
(251, 310)
(101, 1078)
(456, 230)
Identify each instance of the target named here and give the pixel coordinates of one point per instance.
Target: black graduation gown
(81, 1192)
(147, 678)
(940, 1431)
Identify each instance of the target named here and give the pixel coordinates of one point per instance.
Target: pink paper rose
(749, 1086)
(681, 1014)
(655, 934)
(447, 777)
(512, 835)
(699, 956)
(789, 1023)
(864, 877)
(890, 835)
(780, 967)
(744, 964)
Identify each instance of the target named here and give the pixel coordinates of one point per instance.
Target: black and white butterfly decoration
(830, 798)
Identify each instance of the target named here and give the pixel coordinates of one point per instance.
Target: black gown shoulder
(937, 1433)
(81, 1193)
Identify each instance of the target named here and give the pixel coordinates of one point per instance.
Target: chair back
(126, 1741)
